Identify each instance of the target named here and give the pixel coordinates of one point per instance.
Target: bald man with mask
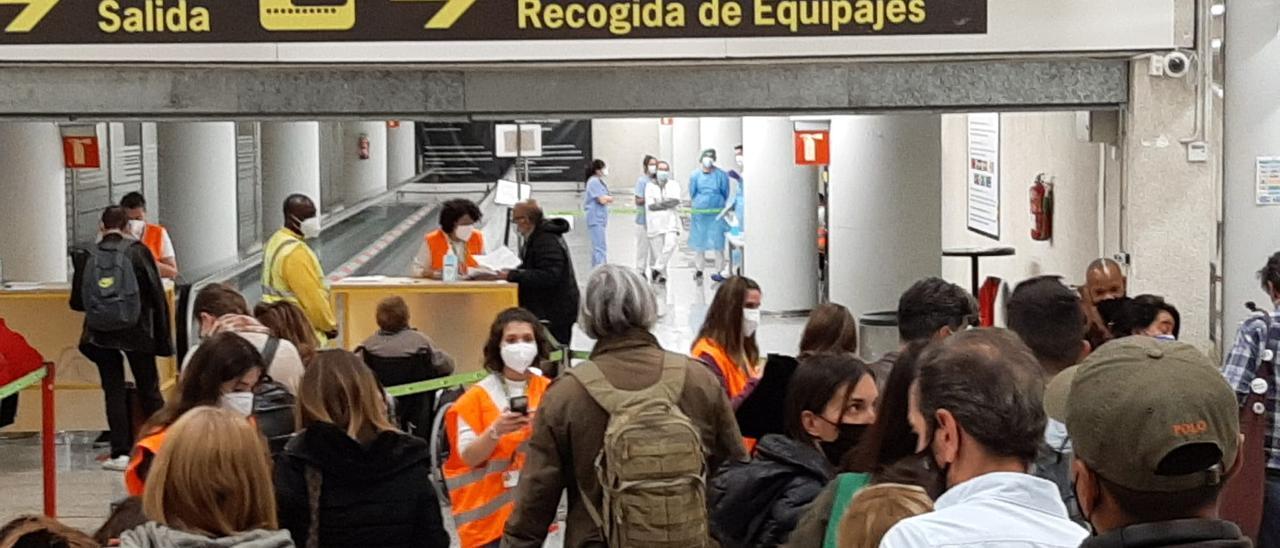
(1104, 280)
(292, 272)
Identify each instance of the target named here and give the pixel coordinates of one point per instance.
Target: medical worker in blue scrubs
(596, 205)
(708, 192)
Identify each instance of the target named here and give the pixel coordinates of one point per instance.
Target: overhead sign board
(234, 21)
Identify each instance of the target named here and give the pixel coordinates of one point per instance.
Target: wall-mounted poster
(1268, 180)
(984, 174)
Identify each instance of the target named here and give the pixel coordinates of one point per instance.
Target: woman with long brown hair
(287, 321)
(831, 329)
(350, 478)
(222, 373)
(727, 341)
(211, 487)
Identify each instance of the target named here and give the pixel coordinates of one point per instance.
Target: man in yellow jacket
(291, 272)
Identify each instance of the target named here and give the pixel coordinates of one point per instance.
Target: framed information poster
(984, 174)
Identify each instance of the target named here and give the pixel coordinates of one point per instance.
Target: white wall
(363, 178)
(622, 144)
(1030, 143)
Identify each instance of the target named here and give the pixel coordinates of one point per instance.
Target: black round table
(975, 254)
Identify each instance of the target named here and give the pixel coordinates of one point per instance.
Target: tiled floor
(85, 491)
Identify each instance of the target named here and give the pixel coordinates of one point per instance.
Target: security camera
(1177, 64)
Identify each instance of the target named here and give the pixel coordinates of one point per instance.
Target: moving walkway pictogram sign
(238, 21)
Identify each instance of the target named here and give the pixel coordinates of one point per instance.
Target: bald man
(292, 272)
(548, 287)
(1104, 280)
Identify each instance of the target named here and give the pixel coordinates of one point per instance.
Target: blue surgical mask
(664, 176)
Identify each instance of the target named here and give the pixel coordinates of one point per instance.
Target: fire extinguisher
(363, 144)
(1041, 209)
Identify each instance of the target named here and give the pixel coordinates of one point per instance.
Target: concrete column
(198, 192)
(667, 145)
(290, 165)
(34, 208)
(1252, 129)
(1170, 204)
(362, 178)
(721, 134)
(686, 140)
(884, 206)
(401, 153)
(782, 216)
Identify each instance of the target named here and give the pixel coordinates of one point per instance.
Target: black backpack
(272, 404)
(109, 289)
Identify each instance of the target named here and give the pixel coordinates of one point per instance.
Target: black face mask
(850, 435)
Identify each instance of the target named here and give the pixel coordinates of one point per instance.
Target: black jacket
(151, 335)
(1185, 533)
(759, 503)
(374, 495)
(548, 287)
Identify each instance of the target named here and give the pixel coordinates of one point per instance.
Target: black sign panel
(463, 152)
(228, 21)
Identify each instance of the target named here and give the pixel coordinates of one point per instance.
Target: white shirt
(996, 510)
(667, 220)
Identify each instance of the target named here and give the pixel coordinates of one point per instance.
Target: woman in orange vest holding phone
(727, 341)
(489, 425)
(222, 373)
(457, 230)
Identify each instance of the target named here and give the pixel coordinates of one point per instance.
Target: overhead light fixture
(1218, 9)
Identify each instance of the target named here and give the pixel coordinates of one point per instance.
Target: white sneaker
(118, 464)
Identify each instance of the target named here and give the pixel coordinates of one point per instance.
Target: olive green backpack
(652, 466)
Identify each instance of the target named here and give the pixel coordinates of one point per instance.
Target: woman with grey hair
(618, 311)
(617, 300)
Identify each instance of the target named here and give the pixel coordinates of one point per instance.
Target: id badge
(510, 479)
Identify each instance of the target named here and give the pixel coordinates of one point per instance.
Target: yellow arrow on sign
(30, 16)
(446, 17)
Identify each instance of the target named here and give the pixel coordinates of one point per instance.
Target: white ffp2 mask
(240, 402)
(136, 227)
(463, 232)
(519, 356)
(750, 321)
(310, 228)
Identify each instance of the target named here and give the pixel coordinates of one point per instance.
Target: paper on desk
(498, 260)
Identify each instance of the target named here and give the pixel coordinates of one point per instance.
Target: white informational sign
(510, 193)
(1268, 180)
(510, 143)
(984, 174)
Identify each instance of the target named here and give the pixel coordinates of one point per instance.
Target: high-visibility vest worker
(436, 244)
(144, 454)
(736, 377)
(484, 497)
(291, 272)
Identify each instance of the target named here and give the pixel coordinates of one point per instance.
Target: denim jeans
(1269, 533)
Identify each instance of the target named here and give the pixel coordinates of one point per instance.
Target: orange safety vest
(438, 245)
(153, 238)
(734, 377)
(146, 449)
(481, 501)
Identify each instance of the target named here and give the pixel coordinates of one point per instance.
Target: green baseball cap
(1149, 415)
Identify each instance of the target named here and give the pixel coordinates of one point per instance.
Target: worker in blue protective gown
(708, 192)
(596, 203)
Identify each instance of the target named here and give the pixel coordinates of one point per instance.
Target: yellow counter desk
(42, 315)
(456, 316)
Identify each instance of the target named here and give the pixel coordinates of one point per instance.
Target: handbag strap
(269, 352)
(314, 482)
